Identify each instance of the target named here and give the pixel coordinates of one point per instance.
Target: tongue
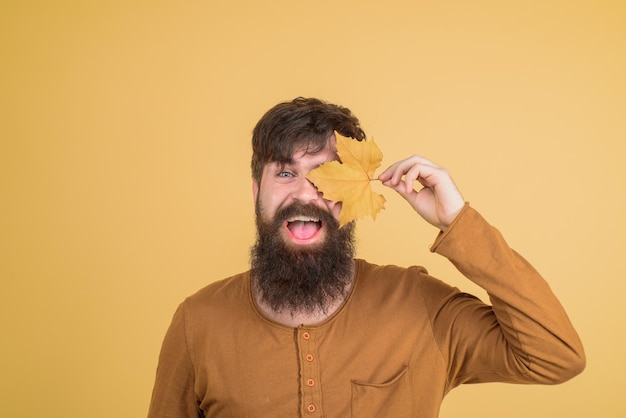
(303, 230)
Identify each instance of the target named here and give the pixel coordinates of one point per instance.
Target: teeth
(303, 219)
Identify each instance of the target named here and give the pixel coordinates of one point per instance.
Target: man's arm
(173, 393)
(526, 335)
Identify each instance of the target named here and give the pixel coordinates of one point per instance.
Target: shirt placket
(310, 389)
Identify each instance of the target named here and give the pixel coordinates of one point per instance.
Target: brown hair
(301, 123)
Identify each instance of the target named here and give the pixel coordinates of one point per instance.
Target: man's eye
(284, 174)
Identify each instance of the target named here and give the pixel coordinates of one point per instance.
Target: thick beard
(306, 279)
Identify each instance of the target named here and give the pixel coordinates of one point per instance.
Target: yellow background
(125, 183)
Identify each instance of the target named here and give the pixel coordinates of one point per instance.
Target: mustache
(309, 210)
(306, 210)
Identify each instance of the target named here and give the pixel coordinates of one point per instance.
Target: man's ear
(255, 189)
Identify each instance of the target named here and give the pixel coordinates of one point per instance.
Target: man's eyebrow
(280, 165)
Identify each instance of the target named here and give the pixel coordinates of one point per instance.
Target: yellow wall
(124, 179)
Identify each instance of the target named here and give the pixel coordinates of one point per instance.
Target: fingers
(412, 169)
(438, 201)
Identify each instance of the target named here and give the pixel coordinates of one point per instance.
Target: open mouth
(303, 228)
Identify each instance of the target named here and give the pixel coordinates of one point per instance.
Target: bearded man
(311, 331)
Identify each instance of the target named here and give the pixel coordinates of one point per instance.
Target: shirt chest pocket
(390, 399)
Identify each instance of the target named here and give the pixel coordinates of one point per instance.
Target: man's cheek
(336, 210)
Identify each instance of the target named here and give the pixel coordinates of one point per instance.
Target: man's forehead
(305, 148)
(329, 152)
(312, 148)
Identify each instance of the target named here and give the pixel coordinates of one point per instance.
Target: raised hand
(438, 201)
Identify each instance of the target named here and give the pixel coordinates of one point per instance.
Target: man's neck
(295, 319)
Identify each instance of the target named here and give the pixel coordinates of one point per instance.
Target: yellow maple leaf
(348, 181)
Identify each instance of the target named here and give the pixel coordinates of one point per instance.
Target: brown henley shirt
(399, 343)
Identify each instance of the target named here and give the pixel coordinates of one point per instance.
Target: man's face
(302, 261)
(283, 186)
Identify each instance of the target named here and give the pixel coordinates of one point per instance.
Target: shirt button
(306, 335)
(311, 408)
(310, 382)
(309, 357)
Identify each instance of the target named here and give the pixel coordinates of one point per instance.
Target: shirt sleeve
(173, 394)
(525, 335)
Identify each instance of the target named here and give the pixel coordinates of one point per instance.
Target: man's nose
(306, 191)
